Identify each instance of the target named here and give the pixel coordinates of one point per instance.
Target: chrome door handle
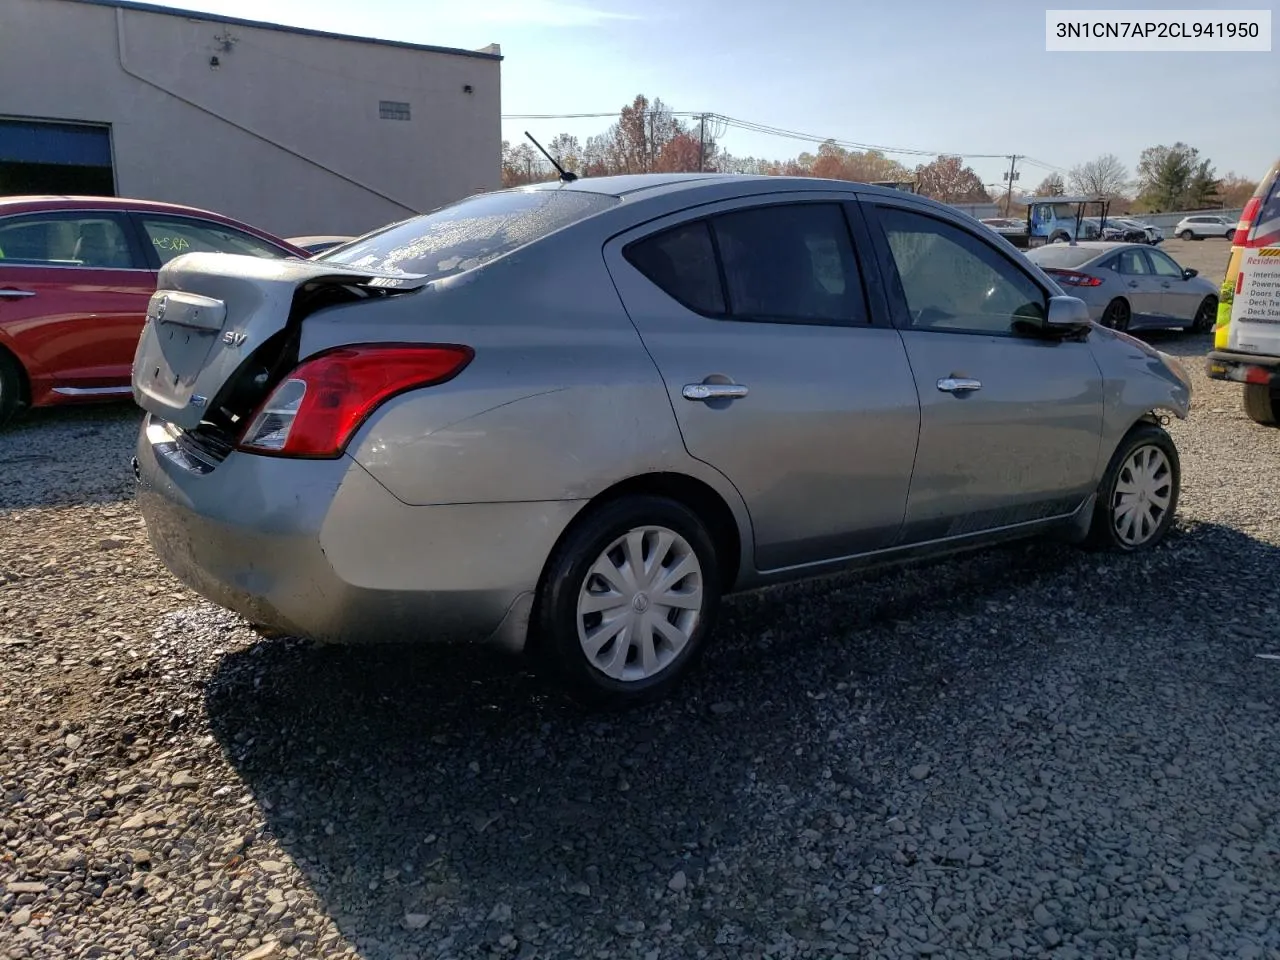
(8, 293)
(713, 391)
(1133, 283)
(958, 384)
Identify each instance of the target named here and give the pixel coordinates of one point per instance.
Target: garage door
(42, 157)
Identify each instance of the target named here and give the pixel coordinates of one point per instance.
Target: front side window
(81, 240)
(173, 236)
(1164, 267)
(952, 281)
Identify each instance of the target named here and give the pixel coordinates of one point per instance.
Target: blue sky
(970, 78)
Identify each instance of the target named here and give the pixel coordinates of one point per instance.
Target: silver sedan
(1130, 286)
(567, 419)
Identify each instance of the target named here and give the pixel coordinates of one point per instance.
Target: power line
(751, 126)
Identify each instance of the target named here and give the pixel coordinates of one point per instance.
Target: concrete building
(296, 131)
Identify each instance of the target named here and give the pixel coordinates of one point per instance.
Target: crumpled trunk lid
(213, 311)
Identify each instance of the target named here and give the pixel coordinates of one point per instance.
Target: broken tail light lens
(316, 410)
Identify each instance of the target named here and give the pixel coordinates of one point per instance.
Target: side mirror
(1189, 272)
(1066, 315)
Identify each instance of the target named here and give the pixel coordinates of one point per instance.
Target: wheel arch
(24, 376)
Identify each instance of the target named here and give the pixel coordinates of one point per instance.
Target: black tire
(1206, 316)
(1187, 235)
(1117, 315)
(1104, 531)
(556, 642)
(1262, 404)
(12, 398)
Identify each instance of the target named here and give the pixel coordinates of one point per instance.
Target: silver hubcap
(640, 603)
(1144, 490)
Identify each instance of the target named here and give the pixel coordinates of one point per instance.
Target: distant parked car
(319, 244)
(1136, 231)
(1199, 226)
(76, 274)
(1129, 286)
(1006, 226)
(567, 418)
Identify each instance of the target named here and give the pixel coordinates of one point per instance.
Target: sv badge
(234, 338)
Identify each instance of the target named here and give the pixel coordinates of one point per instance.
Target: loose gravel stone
(1097, 751)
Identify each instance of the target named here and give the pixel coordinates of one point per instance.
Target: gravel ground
(1034, 752)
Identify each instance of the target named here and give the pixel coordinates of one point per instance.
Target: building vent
(393, 110)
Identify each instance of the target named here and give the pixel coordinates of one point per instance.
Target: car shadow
(450, 782)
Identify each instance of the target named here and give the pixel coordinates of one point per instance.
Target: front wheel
(1139, 492)
(1206, 316)
(627, 601)
(1262, 404)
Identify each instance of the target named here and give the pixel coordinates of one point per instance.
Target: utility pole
(1011, 176)
(702, 141)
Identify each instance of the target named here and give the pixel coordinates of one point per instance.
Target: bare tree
(1105, 176)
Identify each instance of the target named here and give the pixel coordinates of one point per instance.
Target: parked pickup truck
(1246, 340)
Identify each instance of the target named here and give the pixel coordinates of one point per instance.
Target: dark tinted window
(953, 281)
(470, 233)
(682, 262)
(790, 262)
(67, 240)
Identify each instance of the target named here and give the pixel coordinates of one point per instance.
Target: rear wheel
(627, 601)
(1262, 404)
(1117, 314)
(1139, 492)
(1187, 235)
(1206, 316)
(11, 398)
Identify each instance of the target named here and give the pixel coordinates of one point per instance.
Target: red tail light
(1246, 220)
(1073, 278)
(317, 409)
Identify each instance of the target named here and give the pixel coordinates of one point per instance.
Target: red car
(76, 274)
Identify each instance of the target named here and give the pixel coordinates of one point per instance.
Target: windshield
(1061, 255)
(468, 234)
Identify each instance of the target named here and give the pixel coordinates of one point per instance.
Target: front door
(1010, 423)
(1179, 299)
(73, 296)
(780, 373)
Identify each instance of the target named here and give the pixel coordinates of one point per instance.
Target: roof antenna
(566, 176)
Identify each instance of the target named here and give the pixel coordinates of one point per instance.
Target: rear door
(1010, 423)
(74, 287)
(781, 366)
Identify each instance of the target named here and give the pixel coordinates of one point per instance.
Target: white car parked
(1199, 226)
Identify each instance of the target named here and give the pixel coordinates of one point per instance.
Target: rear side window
(790, 263)
(470, 233)
(683, 263)
(173, 236)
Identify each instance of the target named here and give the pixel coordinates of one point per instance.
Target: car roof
(1102, 246)
(634, 185)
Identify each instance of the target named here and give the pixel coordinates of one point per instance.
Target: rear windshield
(1061, 255)
(468, 234)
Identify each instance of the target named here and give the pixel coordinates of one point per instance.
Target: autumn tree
(1051, 186)
(949, 180)
(1105, 176)
(1235, 191)
(567, 151)
(522, 164)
